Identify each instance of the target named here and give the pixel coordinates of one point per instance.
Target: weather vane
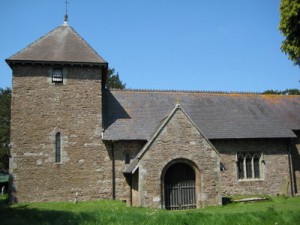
(66, 14)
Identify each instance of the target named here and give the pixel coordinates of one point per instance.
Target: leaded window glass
(249, 165)
(58, 147)
(256, 161)
(240, 165)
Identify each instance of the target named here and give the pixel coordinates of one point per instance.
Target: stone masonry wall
(275, 171)
(179, 139)
(40, 109)
(122, 183)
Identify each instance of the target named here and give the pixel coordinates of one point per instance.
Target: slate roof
(137, 114)
(63, 45)
(131, 168)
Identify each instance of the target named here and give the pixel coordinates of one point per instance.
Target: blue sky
(208, 45)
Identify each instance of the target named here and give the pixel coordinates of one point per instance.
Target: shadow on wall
(112, 109)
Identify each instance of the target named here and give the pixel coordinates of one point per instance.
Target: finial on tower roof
(66, 13)
(177, 101)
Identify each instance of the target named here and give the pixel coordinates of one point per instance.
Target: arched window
(58, 147)
(249, 165)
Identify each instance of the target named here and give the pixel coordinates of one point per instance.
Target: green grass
(278, 211)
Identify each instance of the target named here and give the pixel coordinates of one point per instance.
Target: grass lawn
(277, 211)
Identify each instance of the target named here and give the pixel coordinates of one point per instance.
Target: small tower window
(58, 147)
(127, 158)
(57, 75)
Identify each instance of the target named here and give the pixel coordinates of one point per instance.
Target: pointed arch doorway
(179, 187)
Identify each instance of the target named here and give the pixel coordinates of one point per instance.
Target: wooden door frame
(188, 162)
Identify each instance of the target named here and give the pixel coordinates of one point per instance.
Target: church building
(72, 137)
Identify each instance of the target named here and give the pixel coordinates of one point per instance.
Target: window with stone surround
(57, 76)
(128, 156)
(249, 165)
(58, 147)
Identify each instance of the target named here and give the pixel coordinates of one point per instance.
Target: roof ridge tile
(184, 91)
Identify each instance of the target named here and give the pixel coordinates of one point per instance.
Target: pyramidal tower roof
(61, 45)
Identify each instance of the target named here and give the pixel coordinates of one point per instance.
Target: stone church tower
(56, 119)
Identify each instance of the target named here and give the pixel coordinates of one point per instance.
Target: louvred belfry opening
(57, 76)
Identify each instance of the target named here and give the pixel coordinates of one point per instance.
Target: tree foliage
(5, 101)
(113, 80)
(290, 28)
(286, 92)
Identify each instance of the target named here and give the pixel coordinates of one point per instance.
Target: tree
(286, 92)
(113, 80)
(290, 28)
(5, 101)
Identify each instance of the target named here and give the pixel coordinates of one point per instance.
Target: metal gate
(180, 187)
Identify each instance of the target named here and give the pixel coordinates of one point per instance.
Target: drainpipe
(131, 189)
(113, 171)
(291, 170)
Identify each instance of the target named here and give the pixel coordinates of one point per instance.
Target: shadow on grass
(105, 213)
(23, 215)
(3, 202)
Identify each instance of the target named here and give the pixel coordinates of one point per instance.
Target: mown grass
(278, 211)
